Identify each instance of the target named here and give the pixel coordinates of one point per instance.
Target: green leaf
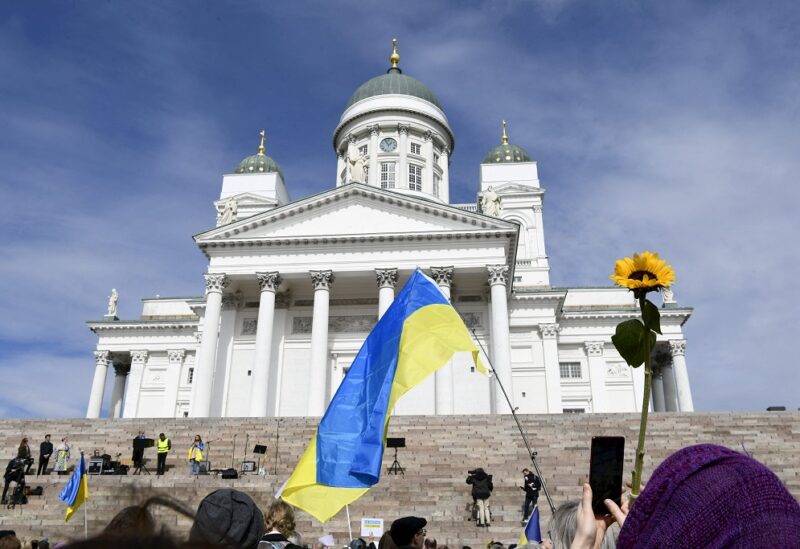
(630, 341)
(651, 316)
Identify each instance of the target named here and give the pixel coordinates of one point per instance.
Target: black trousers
(162, 463)
(42, 469)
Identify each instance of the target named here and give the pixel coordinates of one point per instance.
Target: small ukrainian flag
(533, 531)
(76, 491)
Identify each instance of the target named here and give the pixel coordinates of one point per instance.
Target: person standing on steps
(531, 484)
(196, 455)
(45, 451)
(164, 446)
(481, 491)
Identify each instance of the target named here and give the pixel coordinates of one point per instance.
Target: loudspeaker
(230, 474)
(248, 466)
(95, 466)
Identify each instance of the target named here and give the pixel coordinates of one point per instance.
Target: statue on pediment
(229, 212)
(489, 202)
(112, 303)
(357, 164)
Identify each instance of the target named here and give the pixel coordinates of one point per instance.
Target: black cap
(403, 529)
(228, 516)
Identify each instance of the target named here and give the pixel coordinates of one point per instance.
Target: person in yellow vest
(196, 455)
(164, 446)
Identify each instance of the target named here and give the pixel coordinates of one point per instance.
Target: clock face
(388, 145)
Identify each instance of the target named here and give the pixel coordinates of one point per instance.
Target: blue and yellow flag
(76, 491)
(532, 532)
(417, 335)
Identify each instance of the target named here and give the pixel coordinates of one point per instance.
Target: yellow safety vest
(163, 446)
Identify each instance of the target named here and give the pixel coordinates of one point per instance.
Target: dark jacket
(24, 452)
(532, 485)
(46, 449)
(276, 541)
(481, 484)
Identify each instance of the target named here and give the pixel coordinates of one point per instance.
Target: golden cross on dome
(261, 148)
(505, 137)
(395, 58)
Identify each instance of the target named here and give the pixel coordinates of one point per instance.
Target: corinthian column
(443, 377)
(678, 348)
(204, 374)
(597, 374)
(552, 371)
(317, 383)
(387, 280)
(134, 383)
(501, 347)
(98, 384)
(118, 391)
(374, 173)
(268, 282)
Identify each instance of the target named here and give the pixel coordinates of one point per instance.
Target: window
(415, 177)
(190, 377)
(574, 410)
(435, 159)
(363, 150)
(436, 182)
(387, 175)
(570, 370)
(416, 148)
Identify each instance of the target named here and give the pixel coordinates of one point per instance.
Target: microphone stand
(531, 453)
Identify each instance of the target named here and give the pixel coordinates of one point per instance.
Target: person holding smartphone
(531, 484)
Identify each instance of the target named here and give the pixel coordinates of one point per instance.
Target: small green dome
(506, 153)
(258, 163)
(393, 82)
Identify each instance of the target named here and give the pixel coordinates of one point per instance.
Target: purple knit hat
(709, 496)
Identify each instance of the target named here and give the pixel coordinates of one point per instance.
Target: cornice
(101, 325)
(619, 314)
(370, 112)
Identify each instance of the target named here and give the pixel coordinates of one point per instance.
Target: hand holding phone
(605, 472)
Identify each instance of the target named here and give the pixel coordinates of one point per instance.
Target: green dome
(258, 163)
(506, 153)
(393, 82)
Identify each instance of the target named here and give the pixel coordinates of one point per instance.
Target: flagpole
(349, 528)
(531, 453)
(85, 521)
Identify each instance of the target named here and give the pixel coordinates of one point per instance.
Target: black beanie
(228, 516)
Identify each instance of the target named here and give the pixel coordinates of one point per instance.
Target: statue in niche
(112, 303)
(229, 212)
(489, 202)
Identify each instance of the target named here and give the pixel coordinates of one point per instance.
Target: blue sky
(669, 126)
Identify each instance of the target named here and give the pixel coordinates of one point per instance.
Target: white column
(552, 370)
(402, 182)
(387, 280)
(175, 357)
(501, 346)
(134, 384)
(204, 371)
(443, 377)
(98, 384)
(445, 163)
(118, 391)
(268, 282)
(678, 349)
(597, 374)
(318, 378)
(374, 172)
(339, 169)
(658, 390)
(539, 224)
(427, 173)
(670, 392)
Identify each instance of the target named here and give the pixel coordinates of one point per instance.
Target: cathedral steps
(439, 452)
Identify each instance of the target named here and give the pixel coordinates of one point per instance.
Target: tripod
(395, 467)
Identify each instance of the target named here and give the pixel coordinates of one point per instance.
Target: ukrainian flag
(417, 335)
(76, 491)
(532, 532)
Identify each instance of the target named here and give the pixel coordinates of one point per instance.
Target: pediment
(246, 199)
(514, 188)
(355, 210)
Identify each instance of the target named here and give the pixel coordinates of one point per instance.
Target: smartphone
(605, 472)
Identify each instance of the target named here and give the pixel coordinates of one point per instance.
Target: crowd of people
(702, 496)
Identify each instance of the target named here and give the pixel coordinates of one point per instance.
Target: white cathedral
(294, 287)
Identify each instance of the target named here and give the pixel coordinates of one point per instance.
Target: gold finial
(395, 58)
(261, 148)
(505, 137)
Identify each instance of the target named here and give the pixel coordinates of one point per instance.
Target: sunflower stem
(636, 483)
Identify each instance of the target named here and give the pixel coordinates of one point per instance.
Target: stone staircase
(439, 452)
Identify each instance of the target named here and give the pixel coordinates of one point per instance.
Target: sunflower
(643, 273)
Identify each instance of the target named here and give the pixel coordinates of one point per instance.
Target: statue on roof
(112, 303)
(229, 212)
(357, 165)
(489, 202)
